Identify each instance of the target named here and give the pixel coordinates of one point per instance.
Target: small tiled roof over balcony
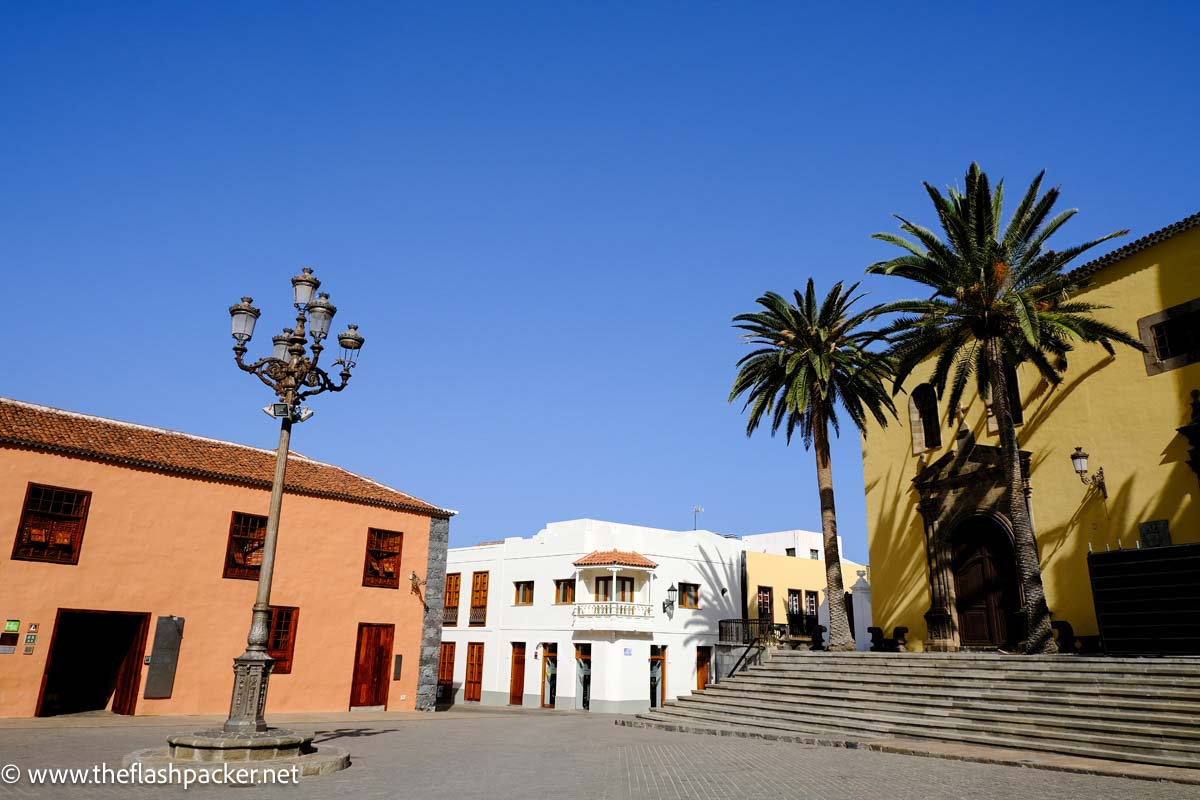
(615, 558)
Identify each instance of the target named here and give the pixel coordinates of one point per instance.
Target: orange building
(133, 570)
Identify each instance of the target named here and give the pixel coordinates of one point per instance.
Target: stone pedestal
(213, 750)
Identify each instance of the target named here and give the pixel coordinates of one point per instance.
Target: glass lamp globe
(243, 316)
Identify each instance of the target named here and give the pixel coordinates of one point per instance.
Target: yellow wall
(1124, 418)
(789, 572)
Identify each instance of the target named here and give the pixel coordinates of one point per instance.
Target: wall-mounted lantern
(669, 603)
(1079, 460)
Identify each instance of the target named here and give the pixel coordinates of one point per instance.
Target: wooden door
(549, 674)
(985, 585)
(658, 675)
(473, 688)
(445, 688)
(703, 658)
(479, 598)
(516, 683)
(372, 659)
(450, 607)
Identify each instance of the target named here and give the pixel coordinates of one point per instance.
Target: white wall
(620, 682)
(778, 543)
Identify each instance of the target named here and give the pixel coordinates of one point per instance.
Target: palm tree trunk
(1039, 635)
(835, 593)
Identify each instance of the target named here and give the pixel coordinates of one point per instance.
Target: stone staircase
(1144, 710)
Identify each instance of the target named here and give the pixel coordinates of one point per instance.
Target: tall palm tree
(1000, 298)
(813, 358)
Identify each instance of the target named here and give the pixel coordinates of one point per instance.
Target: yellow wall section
(789, 572)
(1124, 418)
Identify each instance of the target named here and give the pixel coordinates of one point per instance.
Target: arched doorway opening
(986, 591)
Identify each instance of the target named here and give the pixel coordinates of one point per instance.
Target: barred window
(52, 524)
(281, 641)
(243, 552)
(382, 566)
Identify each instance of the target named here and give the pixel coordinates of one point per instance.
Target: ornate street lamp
(293, 375)
(1079, 460)
(669, 603)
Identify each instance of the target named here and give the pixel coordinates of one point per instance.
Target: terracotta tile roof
(610, 558)
(33, 427)
(1082, 273)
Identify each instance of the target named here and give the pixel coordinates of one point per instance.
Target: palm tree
(1000, 299)
(811, 360)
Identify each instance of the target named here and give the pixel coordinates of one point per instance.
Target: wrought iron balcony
(613, 616)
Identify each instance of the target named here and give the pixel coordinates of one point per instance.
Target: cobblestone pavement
(560, 754)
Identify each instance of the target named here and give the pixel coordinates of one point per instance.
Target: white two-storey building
(587, 615)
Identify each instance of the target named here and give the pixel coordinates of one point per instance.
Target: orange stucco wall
(156, 543)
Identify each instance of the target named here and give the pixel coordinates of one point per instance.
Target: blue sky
(542, 216)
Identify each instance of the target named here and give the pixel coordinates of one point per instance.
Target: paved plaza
(532, 754)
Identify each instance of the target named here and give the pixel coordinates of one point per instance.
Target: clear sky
(542, 215)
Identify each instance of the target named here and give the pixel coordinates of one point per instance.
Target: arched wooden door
(985, 583)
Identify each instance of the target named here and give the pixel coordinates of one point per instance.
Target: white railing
(614, 609)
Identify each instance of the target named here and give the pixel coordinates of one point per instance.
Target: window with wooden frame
(564, 592)
(811, 601)
(625, 590)
(479, 598)
(604, 590)
(523, 596)
(243, 553)
(382, 565)
(52, 523)
(450, 608)
(281, 637)
(689, 595)
(795, 602)
(766, 603)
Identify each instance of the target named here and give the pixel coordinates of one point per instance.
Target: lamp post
(292, 373)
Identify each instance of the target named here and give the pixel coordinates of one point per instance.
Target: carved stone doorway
(986, 593)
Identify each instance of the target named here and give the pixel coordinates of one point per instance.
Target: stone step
(1182, 724)
(1000, 672)
(1165, 664)
(1186, 733)
(903, 724)
(1012, 692)
(675, 713)
(1164, 689)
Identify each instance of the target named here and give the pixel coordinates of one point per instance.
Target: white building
(574, 616)
(797, 543)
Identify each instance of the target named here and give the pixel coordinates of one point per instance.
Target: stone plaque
(1155, 533)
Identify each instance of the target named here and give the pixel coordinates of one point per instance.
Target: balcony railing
(614, 609)
(746, 631)
(478, 616)
(450, 616)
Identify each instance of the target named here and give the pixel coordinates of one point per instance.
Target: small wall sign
(1155, 533)
(33, 627)
(31, 638)
(628, 651)
(28, 650)
(12, 626)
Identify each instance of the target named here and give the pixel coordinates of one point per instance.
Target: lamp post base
(251, 672)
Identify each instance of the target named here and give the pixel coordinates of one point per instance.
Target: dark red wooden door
(516, 683)
(984, 584)
(473, 687)
(372, 660)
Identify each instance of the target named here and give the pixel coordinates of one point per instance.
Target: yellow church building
(1111, 459)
